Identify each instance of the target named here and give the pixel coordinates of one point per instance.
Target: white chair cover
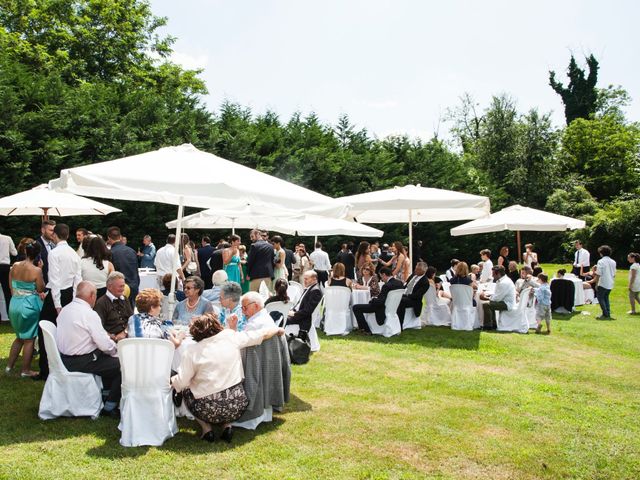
(391, 322)
(411, 320)
(464, 315)
(530, 310)
(313, 334)
(147, 412)
(67, 394)
(589, 295)
(337, 315)
(263, 290)
(294, 291)
(515, 320)
(434, 312)
(281, 307)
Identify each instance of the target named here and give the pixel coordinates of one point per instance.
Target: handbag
(299, 347)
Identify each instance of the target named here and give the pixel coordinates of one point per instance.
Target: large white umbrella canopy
(518, 218)
(414, 203)
(41, 200)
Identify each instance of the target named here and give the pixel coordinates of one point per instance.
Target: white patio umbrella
(184, 175)
(414, 203)
(41, 200)
(518, 218)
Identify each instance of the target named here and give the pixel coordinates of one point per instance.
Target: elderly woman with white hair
(218, 278)
(230, 293)
(193, 305)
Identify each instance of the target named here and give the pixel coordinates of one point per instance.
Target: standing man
(81, 234)
(376, 304)
(47, 243)
(581, 260)
(86, 347)
(417, 285)
(204, 254)
(64, 277)
(504, 298)
(486, 274)
(385, 256)
(289, 261)
(346, 257)
(605, 276)
(321, 263)
(259, 261)
(148, 253)
(165, 261)
(7, 250)
(125, 261)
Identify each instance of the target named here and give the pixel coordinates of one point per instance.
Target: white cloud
(190, 61)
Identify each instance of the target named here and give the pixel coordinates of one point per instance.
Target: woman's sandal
(209, 437)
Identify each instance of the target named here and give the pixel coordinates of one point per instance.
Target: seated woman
(461, 276)
(444, 297)
(513, 272)
(474, 272)
(146, 323)
(338, 278)
(166, 287)
(280, 286)
(218, 278)
(368, 279)
(560, 273)
(230, 294)
(211, 373)
(193, 304)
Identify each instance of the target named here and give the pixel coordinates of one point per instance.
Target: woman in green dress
(243, 264)
(27, 287)
(231, 260)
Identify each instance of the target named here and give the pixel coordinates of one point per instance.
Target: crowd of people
(92, 294)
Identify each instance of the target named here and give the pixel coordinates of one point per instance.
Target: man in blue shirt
(148, 253)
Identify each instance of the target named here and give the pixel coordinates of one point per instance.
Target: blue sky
(397, 66)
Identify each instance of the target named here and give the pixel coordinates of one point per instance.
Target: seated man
(113, 308)
(376, 304)
(86, 347)
(254, 311)
(417, 285)
(301, 313)
(504, 298)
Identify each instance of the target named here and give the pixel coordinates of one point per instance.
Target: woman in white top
(529, 257)
(210, 373)
(634, 281)
(95, 266)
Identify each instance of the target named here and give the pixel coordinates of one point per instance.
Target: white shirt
(412, 283)
(93, 274)
(320, 260)
(215, 363)
(505, 292)
(64, 271)
(485, 275)
(80, 330)
(7, 247)
(606, 272)
(261, 319)
(582, 257)
(164, 259)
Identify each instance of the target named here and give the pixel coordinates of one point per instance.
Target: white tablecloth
(578, 298)
(149, 279)
(358, 297)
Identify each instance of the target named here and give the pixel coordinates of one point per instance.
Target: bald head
(87, 291)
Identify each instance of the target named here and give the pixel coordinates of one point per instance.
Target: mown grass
(429, 404)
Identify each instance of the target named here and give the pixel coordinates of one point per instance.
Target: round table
(357, 297)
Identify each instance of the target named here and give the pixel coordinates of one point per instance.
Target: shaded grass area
(432, 403)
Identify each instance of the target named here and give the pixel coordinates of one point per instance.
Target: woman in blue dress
(27, 287)
(231, 259)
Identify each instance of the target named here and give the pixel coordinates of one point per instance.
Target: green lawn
(429, 404)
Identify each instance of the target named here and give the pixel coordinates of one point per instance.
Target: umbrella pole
(45, 214)
(174, 273)
(410, 241)
(233, 226)
(519, 249)
(315, 240)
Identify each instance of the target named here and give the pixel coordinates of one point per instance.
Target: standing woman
(95, 266)
(27, 286)
(363, 257)
(634, 281)
(231, 260)
(242, 252)
(279, 268)
(304, 263)
(529, 258)
(503, 259)
(399, 262)
(189, 259)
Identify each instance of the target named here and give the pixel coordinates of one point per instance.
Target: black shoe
(227, 434)
(115, 413)
(209, 437)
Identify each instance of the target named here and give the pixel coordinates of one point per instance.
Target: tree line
(89, 81)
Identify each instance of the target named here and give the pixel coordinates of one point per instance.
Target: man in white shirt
(504, 298)
(605, 277)
(64, 277)
(321, 263)
(85, 346)
(486, 265)
(7, 249)
(581, 260)
(166, 261)
(255, 313)
(81, 234)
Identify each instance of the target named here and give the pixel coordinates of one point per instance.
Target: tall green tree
(581, 95)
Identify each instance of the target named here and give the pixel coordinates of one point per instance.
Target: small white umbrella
(518, 218)
(41, 200)
(414, 203)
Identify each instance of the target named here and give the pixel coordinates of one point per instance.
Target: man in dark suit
(385, 256)
(204, 254)
(417, 285)
(289, 260)
(259, 261)
(348, 259)
(47, 244)
(125, 261)
(301, 313)
(376, 304)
